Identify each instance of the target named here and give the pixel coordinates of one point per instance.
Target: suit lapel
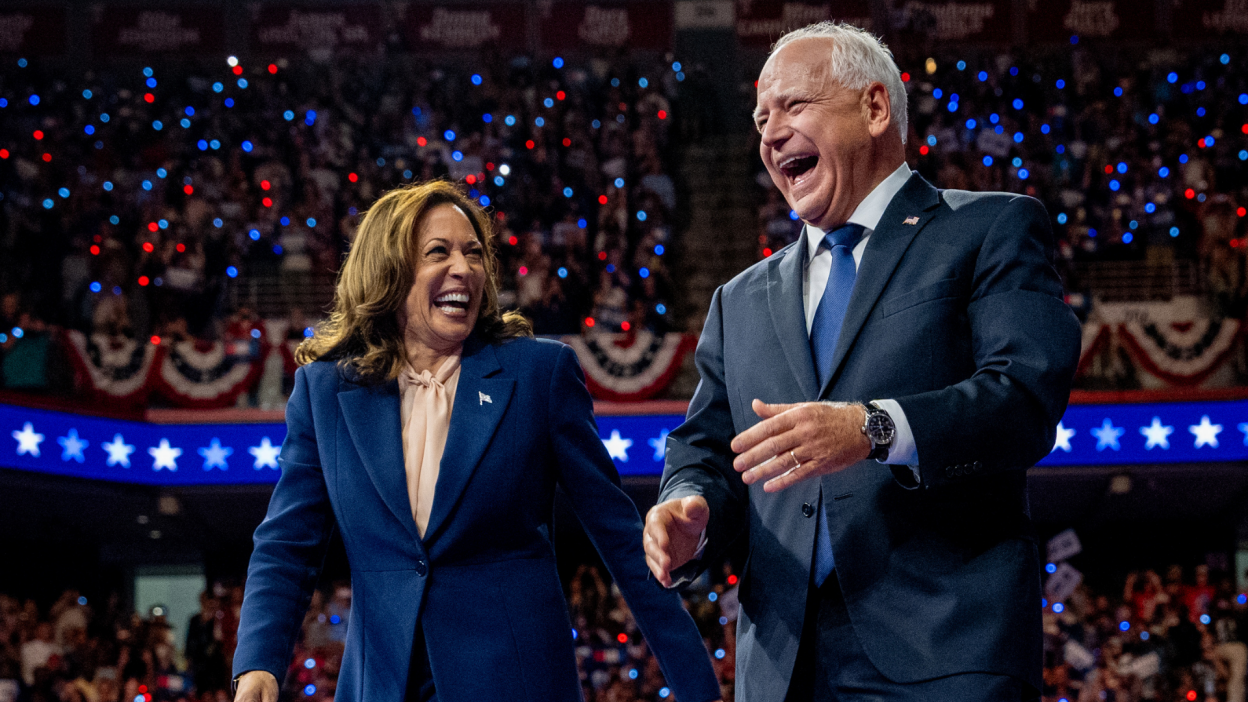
(372, 417)
(480, 402)
(784, 299)
(892, 236)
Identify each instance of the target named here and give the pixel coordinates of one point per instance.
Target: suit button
(808, 510)
(422, 568)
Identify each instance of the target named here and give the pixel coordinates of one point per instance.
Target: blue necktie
(824, 332)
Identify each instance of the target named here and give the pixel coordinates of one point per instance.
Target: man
(915, 580)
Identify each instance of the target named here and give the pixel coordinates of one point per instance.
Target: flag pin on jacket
(911, 220)
(484, 398)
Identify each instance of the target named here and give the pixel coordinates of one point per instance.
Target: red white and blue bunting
(112, 368)
(629, 367)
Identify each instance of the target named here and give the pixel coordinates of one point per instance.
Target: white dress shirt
(819, 265)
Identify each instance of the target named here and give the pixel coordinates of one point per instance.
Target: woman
(431, 430)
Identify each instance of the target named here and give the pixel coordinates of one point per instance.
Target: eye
(438, 250)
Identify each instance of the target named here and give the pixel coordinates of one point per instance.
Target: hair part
(362, 331)
(858, 59)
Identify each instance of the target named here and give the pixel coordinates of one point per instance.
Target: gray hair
(858, 59)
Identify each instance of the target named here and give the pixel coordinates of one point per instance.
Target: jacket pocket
(940, 290)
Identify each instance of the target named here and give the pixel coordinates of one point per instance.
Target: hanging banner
(761, 22)
(133, 31)
(987, 22)
(629, 367)
(1201, 19)
(1060, 20)
(450, 26)
(641, 24)
(204, 375)
(35, 31)
(286, 28)
(113, 370)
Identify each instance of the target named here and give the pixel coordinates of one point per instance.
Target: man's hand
(673, 529)
(256, 686)
(823, 437)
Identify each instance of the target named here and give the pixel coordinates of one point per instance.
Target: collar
(868, 212)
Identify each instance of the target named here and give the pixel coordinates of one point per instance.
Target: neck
(422, 357)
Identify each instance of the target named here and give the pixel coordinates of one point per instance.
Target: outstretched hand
(673, 530)
(799, 441)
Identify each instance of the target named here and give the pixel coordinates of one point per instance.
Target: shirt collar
(869, 211)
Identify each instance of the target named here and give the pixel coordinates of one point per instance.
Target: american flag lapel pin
(911, 220)
(484, 398)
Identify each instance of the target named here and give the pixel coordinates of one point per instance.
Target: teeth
(791, 160)
(453, 297)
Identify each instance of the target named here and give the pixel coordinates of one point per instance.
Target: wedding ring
(796, 463)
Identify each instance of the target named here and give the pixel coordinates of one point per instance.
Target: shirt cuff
(697, 555)
(903, 450)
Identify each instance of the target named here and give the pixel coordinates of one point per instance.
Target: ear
(878, 109)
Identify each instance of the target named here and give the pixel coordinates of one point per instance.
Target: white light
(504, 170)
(233, 61)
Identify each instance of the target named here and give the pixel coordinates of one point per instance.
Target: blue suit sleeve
(610, 518)
(290, 546)
(1025, 341)
(699, 453)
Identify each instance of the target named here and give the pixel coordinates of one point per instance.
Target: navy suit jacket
(958, 316)
(482, 581)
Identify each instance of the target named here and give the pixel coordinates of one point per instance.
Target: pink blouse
(425, 416)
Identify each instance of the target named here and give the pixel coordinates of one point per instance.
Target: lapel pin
(484, 398)
(911, 220)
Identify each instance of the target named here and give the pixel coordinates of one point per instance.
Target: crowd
(78, 652)
(153, 201)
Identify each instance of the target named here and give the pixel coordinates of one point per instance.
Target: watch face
(880, 428)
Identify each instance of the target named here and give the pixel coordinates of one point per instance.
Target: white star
(164, 456)
(28, 440)
(1107, 435)
(72, 446)
(215, 454)
(1063, 438)
(1157, 434)
(617, 447)
(1244, 428)
(118, 451)
(265, 453)
(1206, 434)
(659, 445)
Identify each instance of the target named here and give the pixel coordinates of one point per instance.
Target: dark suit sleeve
(610, 518)
(290, 546)
(699, 456)
(1025, 345)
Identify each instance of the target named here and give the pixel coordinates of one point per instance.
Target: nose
(459, 265)
(775, 133)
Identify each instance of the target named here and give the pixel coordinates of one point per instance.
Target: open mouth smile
(454, 304)
(794, 168)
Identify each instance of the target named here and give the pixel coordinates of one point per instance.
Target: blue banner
(216, 454)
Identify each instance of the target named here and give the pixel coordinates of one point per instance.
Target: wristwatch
(879, 430)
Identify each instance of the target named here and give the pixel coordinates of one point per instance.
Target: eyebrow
(783, 98)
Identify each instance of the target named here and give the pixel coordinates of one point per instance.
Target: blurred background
(179, 183)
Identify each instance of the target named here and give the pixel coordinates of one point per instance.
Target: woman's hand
(256, 686)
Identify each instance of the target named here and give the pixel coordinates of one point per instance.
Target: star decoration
(1243, 426)
(1206, 434)
(266, 454)
(617, 446)
(1156, 434)
(118, 451)
(164, 456)
(1107, 435)
(659, 445)
(1063, 438)
(28, 440)
(72, 446)
(215, 454)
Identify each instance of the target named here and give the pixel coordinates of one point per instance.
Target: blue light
(457, 155)
(1058, 607)
(247, 146)
(147, 71)
(310, 118)
(723, 621)
(937, 93)
(1134, 224)
(232, 271)
(487, 118)
(1241, 598)
(89, 129)
(999, 129)
(562, 272)
(1200, 85)
(1208, 141)
(255, 333)
(548, 102)
(449, 135)
(1172, 77)
(1060, 84)
(218, 87)
(48, 204)
(632, 673)
(218, 222)
(1200, 112)
(610, 267)
(150, 82)
(1018, 137)
(147, 185)
(582, 223)
(476, 79)
(1018, 103)
(1114, 185)
(288, 115)
(307, 334)
(381, 162)
(680, 76)
(63, 192)
(664, 692)
(953, 107)
(1243, 155)
(215, 144)
(108, 186)
(641, 215)
(104, 117)
(242, 83)
(309, 690)
(1204, 619)
(510, 120)
(95, 287)
(994, 118)
(4, 102)
(186, 123)
(498, 180)
(619, 182)
(642, 82)
(1044, 129)
(485, 200)
(1150, 208)
(1182, 158)
(254, 234)
(1124, 625)
(982, 76)
(1023, 174)
(961, 65)
(1016, 162)
(720, 653)
(158, 125)
(1061, 218)
(163, 224)
(987, 160)
(931, 140)
(1074, 39)
(1128, 238)
(660, 308)
(285, 221)
(229, 102)
(1225, 59)
(309, 663)
(644, 272)
(1243, 98)
(1050, 568)
(970, 124)
(658, 249)
(86, 94)
(541, 121)
(277, 249)
(1163, 172)
(473, 193)
(1117, 92)
(114, 219)
(1122, 166)
(712, 596)
(1154, 118)
(558, 62)
(34, 99)
(567, 192)
(676, 65)
(1174, 232)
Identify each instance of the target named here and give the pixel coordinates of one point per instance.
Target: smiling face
(447, 289)
(821, 143)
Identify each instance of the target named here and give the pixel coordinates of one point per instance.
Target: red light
(38, 134)
(602, 199)
(1241, 212)
(529, 144)
(155, 341)
(147, 246)
(1191, 695)
(143, 688)
(265, 185)
(1108, 169)
(625, 326)
(662, 114)
(181, 248)
(149, 98)
(1189, 193)
(143, 281)
(589, 321)
(95, 250)
(1234, 243)
(622, 638)
(152, 226)
(238, 70)
(1244, 128)
(923, 150)
(602, 255)
(272, 68)
(267, 202)
(732, 580)
(188, 189)
(905, 77)
(1201, 143)
(524, 270)
(623, 107)
(4, 153)
(352, 177)
(47, 158)
(421, 141)
(766, 252)
(513, 240)
(560, 95)
(567, 141)
(470, 179)
(147, 697)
